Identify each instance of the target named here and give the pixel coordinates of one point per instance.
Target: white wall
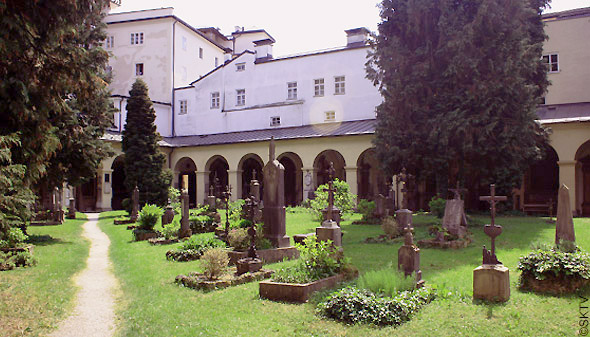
(266, 84)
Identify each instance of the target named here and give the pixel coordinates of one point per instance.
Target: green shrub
(353, 305)
(214, 262)
(542, 263)
(367, 209)
(174, 195)
(238, 239)
(318, 260)
(391, 227)
(388, 281)
(11, 260)
(13, 238)
(202, 223)
(343, 199)
(171, 230)
(437, 206)
(148, 216)
(193, 248)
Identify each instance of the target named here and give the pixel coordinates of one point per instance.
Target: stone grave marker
(330, 229)
(134, 204)
(454, 219)
(252, 262)
(408, 257)
(168, 215)
(185, 229)
(211, 199)
(226, 197)
(564, 229)
(72, 209)
(404, 215)
(491, 280)
(380, 206)
(274, 212)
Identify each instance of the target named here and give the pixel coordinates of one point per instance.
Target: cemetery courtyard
(149, 303)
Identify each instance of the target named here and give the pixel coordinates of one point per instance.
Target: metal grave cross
(493, 199)
(489, 257)
(331, 171)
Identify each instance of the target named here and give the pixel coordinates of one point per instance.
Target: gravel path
(94, 313)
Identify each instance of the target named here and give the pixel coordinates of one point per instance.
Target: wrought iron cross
(493, 199)
(489, 257)
(331, 171)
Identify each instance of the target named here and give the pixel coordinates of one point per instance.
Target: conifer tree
(460, 80)
(144, 162)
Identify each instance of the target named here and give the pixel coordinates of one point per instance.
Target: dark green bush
(149, 216)
(367, 209)
(437, 206)
(541, 263)
(353, 305)
(11, 260)
(13, 238)
(193, 248)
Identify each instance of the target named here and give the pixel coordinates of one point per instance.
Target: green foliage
(343, 199)
(194, 247)
(391, 227)
(174, 195)
(352, 305)
(542, 263)
(214, 262)
(367, 209)
(238, 239)
(235, 212)
(13, 238)
(11, 260)
(144, 161)
(149, 215)
(387, 282)
(461, 81)
(318, 260)
(171, 230)
(567, 246)
(437, 206)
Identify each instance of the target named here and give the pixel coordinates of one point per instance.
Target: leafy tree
(460, 80)
(343, 199)
(53, 92)
(144, 162)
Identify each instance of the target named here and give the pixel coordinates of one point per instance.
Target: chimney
(263, 49)
(356, 37)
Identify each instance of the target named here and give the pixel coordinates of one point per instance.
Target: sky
(297, 26)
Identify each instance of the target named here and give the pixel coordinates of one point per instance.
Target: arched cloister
(293, 178)
(541, 180)
(217, 167)
(119, 190)
(185, 166)
(370, 178)
(582, 179)
(249, 164)
(322, 163)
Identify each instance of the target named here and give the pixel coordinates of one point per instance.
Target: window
(339, 88)
(330, 116)
(241, 97)
(184, 43)
(138, 69)
(110, 42)
(275, 120)
(183, 107)
(240, 66)
(551, 62)
(201, 53)
(318, 86)
(216, 62)
(292, 90)
(136, 38)
(214, 100)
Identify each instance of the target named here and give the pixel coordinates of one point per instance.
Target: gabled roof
(569, 14)
(221, 66)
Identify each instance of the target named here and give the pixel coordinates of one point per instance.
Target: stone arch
(370, 178)
(293, 177)
(185, 166)
(582, 179)
(217, 167)
(249, 163)
(322, 163)
(119, 190)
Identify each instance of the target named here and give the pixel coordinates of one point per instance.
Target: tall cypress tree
(144, 162)
(460, 80)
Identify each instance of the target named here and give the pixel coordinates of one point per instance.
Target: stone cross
(226, 197)
(408, 257)
(457, 191)
(211, 189)
(251, 206)
(564, 229)
(255, 186)
(404, 178)
(329, 229)
(489, 257)
(135, 204)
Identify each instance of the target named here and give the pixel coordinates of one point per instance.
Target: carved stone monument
(330, 229)
(134, 204)
(168, 215)
(211, 199)
(564, 230)
(380, 206)
(274, 212)
(491, 280)
(454, 219)
(404, 215)
(408, 257)
(72, 209)
(185, 229)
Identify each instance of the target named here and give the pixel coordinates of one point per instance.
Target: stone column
(567, 176)
(307, 184)
(234, 178)
(185, 230)
(351, 179)
(201, 190)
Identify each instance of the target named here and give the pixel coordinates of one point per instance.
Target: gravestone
(134, 204)
(252, 262)
(408, 257)
(404, 215)
(255, 187)
(211, 199)
(58, 212)
(185, 229)
(564, 230)
(274, 212)
(168, 215)
(491, 280)
(330, 229)
(72, 209)
(380, 206)
(454, 219)
(226, 197)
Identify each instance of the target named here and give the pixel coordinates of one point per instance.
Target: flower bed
(200, 281)
(296, 292)
(193, 248)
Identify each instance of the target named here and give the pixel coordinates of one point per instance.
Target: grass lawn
(33, 300)
(153, 305)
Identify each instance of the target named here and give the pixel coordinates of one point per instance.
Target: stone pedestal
(72, 209)
(185, 229)
(212, 202)
(491, 282)
(335, 214)
(404, 217)
(248, 265)
(329, 231)
(168, 215)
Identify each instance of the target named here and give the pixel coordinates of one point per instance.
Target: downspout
(173, 98)
(121, 114)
